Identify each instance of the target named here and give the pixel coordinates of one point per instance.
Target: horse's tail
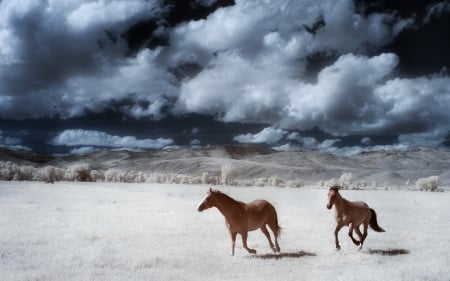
(373, 222)
(276, 228)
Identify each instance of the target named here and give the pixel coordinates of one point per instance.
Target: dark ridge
(240, 151)
(14, 155)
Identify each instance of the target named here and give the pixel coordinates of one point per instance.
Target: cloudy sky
(79, 75)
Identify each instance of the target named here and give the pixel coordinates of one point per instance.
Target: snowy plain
(107, 231)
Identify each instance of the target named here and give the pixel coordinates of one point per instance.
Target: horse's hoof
(252, 251)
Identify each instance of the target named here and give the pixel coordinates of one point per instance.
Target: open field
(104, 231)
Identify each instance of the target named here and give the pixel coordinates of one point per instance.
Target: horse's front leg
(244, 243)
(336, 231)
(233, 241)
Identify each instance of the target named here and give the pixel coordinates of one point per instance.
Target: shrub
(228, 174)
(79, 172)
(295, 183)
(276, 181)
(346, 180)
(428, 184)
(205, 178)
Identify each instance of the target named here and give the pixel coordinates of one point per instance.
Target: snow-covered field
(104, 231)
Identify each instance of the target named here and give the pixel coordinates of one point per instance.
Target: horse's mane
(226, 196)
(335, 187)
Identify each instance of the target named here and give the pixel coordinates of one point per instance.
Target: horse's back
(258, 212)
(360, 204)
(360, 211)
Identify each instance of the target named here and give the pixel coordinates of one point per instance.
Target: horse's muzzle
(328, 207)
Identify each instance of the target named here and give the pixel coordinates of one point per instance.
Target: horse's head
(332, 195)
(208, 201)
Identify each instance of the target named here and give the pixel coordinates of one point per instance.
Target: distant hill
(394, 167)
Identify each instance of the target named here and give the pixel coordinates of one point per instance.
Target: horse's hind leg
(273, 224)
(244, 243)
(267, 234)
(276, 242)
(276, 231)
(364, 235)
(358, 232)
(350, 233)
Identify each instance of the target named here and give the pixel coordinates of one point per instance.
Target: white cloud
(108, 13)
(436, 10)
(308, 143)
(433, 138)
(288, 147)
(253, 58)
(67, 62)
(97, 138)
(268, 135)
(196, 131)
(11, 142)
(224, 89)
(343, 99)
(84, 150)
(195, 142)
(355, 95)
(366, 141)
(347, 31)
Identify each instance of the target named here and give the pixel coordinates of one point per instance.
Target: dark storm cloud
(65, 57)
(248, 61)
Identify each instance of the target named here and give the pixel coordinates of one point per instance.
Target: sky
(77, 76)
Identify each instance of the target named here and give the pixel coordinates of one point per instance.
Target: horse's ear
(210, 189)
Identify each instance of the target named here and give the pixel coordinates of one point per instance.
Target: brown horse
(351, 214)
(243, 217)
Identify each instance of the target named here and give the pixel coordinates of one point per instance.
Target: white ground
(103, 231)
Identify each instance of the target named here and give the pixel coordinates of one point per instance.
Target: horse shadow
(388, 252)
(278, 256)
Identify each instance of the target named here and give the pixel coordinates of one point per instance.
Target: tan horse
(351, 214)
(243, 217)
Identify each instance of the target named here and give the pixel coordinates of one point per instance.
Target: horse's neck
(228, 206)
(340, 203)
